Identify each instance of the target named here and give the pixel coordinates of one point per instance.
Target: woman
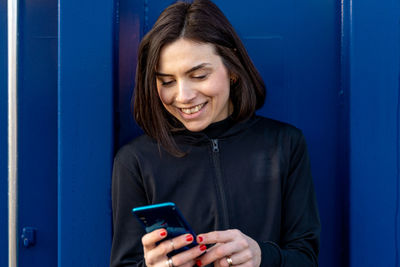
(243, 182)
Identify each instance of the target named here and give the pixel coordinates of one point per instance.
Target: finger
(217, 264)
(200, 261)
(189, 264)
(221, 251)
(189, 255)
(170, 245)
(149, 240)
(218, 236)
(237, 258)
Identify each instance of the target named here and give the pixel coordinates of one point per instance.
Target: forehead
(183, 54)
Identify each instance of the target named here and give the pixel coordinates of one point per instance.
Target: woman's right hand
(156, 255)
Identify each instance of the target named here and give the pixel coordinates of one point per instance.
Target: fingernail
(203, 247)
(189, 238)
(198, 262)
(200, 239)
(163, 233)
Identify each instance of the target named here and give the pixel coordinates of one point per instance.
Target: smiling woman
(201, 23)
(243, 182)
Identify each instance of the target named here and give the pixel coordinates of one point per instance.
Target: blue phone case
(165, 215)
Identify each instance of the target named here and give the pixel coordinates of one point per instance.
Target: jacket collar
(219, 130)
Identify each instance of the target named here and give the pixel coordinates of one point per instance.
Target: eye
(167, 83)
(200, 77)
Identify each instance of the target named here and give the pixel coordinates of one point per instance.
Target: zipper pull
(215, 145)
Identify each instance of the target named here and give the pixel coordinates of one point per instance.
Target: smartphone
(165, 215)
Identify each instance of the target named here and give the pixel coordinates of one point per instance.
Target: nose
(185, 92)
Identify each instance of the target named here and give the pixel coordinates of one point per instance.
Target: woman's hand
(229, 244)
(156, 255)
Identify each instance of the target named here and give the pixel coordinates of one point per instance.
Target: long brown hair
(200, 21)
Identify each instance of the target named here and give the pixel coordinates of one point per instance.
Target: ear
(233, 78)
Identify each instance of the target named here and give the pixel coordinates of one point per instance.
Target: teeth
(192, 110)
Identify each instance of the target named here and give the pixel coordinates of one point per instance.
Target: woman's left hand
(233, 244)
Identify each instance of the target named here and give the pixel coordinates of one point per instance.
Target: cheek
(218, 88)
(166, 96)
(219, 85)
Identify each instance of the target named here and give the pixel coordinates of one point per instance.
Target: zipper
(215, 145)
(220, 183)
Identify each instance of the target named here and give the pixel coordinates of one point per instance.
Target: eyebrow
(200, 66)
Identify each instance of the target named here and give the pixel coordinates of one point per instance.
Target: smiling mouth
(193, 109)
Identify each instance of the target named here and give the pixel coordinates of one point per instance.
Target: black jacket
(254, 177)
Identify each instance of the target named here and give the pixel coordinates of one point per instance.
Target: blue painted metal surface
(37, 127)
(130, 29)
(296, 47)
(344, 132)
(3, 136)
(85, 139)
(374, 133)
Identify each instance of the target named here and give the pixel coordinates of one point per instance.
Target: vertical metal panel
(296, 47)
(374, 133)
(3, 136)
(37, 123)
(85, 139)
(130, 30)
(344, 130)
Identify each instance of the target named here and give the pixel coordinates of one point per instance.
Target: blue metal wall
(65, 134)
(374, 59)
(37, 130)
(130, 28)
(3, 136)
(296, 47)
(85, 131)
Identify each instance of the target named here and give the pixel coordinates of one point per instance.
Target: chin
(195, 127)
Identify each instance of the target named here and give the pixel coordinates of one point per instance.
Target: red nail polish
(200, 239)
(189, 238)
(198, 262)
(203, 247)
(163, 233)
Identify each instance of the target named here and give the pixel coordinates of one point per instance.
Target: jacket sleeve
(127, 193)
(300, 228)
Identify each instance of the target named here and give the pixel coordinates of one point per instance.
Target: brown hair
(201, 21)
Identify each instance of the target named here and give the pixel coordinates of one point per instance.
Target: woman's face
(193, 84)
